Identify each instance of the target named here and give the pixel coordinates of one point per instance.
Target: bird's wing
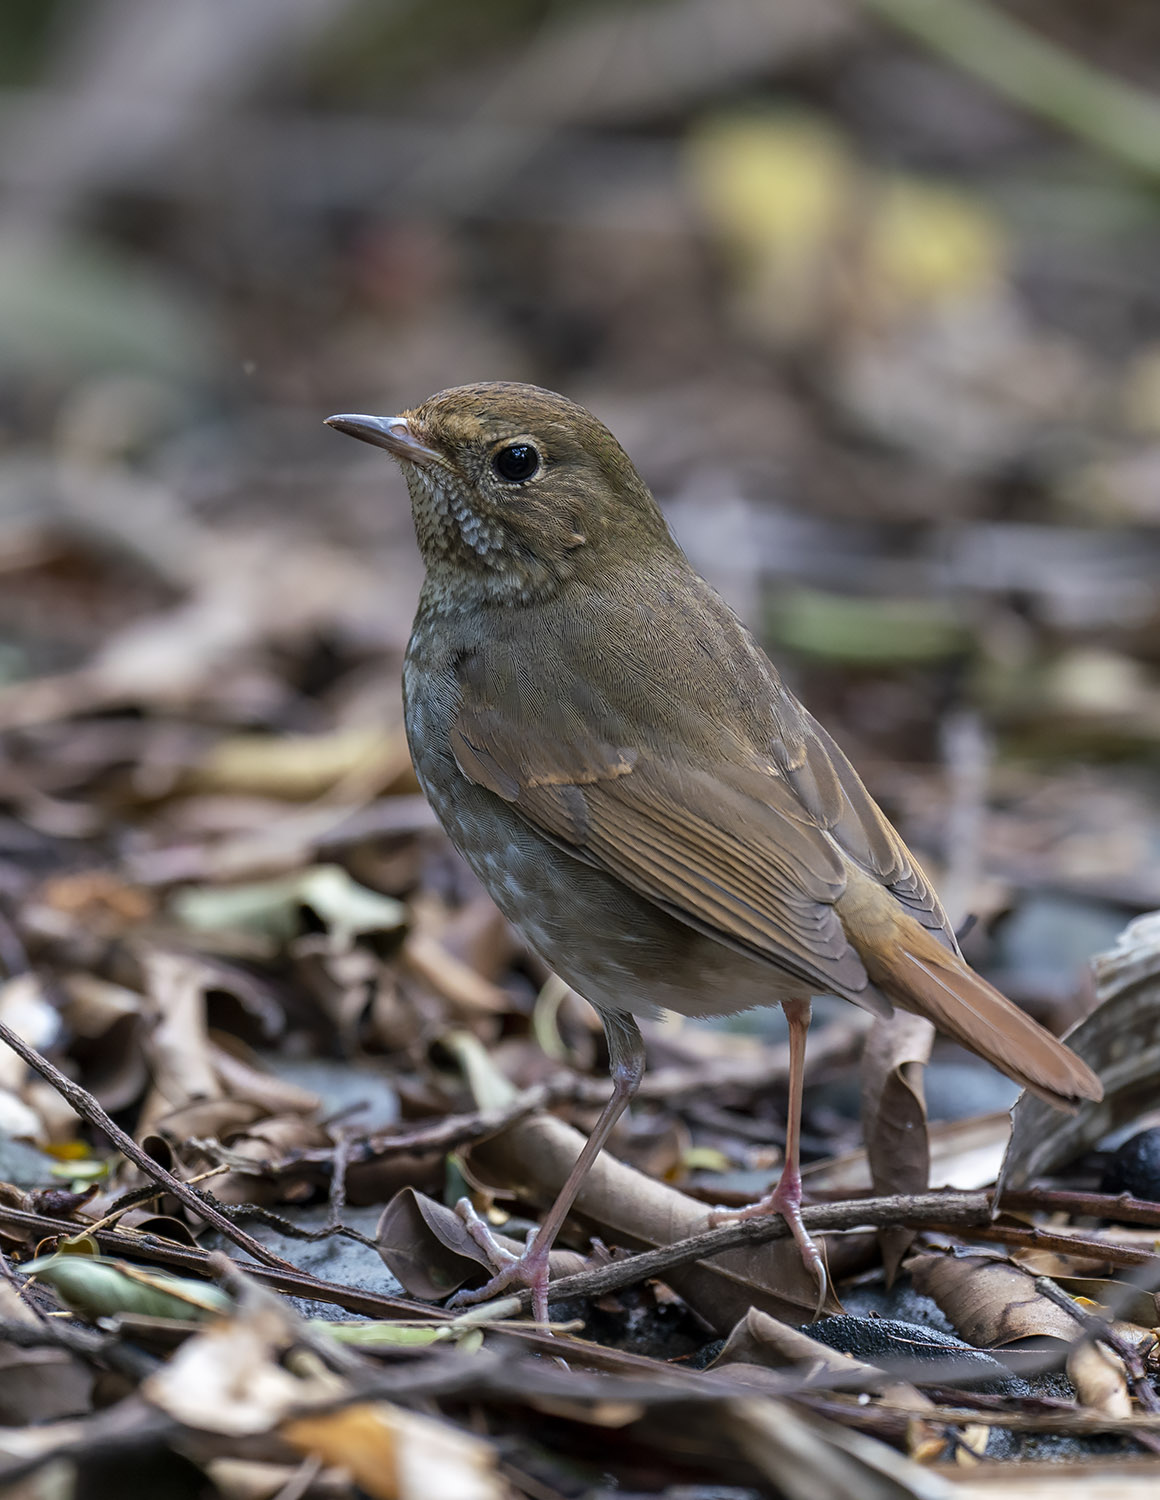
(726, 848)
(831, 791)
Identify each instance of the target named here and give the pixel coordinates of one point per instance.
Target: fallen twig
(1076, 1245)
(1121, 1207)
(914, 1210)
(89, 1110)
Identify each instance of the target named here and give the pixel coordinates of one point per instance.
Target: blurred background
(869, 291)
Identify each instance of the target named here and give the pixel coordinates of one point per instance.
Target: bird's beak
(392, 433)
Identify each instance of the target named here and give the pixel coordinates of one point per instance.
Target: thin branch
(342, 1147)
(914, 1210)
(108, 1350)
(1064, 1244)
(89, 1110)
(1079, 1420)
(241, 1211)
(1120, 1207)
(438, 1137)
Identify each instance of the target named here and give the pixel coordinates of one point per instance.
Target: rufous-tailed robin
(620, 764)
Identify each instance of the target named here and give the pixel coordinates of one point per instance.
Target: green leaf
(867, 631)
(97, 1288)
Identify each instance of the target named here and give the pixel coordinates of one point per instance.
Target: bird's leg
(786, 1197)
(626, 1064)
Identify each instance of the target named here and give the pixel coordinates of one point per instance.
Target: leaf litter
(188, 1012)
(187, 1001)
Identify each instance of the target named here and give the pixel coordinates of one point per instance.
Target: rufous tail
(917, 973)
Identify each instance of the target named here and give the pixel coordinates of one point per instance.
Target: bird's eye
(515, 462)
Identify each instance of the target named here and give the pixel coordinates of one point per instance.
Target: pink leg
(626, 1062)
(786, 1197)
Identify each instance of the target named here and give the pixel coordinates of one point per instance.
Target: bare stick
(1120, 1207)
(88, 1109)
(914, 1210)
(1064, 1244)
(342, 1146)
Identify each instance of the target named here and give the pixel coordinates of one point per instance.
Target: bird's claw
(785, 1201)
(530, 1269)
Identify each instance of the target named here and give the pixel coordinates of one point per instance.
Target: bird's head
(514, 488)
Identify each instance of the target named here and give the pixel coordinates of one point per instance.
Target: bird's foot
(511, 1271)
(786, 1200)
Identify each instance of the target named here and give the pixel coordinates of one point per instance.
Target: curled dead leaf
(427, 1247)
(450, 977)
(759, 1341)
(1120, 1040)
(990, 1301)
(894, 1117)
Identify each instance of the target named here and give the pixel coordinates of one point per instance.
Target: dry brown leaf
(229, 1379)
(177, 1043)
(759, 1342)
(804, 1457)
(100, 899)
(1120, 1040)
(239, 1377)
(758, 1339)
(38, 1385)
(480, 936)
(894, 1117)
(107, 1022)
(990, 1301)
(207, 1117)
(467, 990)
(242, 1080)
(268, 1140)
(427, 1247)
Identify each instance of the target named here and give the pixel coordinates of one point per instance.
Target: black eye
(516, 462)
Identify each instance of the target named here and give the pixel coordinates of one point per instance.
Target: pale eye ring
(515, 462)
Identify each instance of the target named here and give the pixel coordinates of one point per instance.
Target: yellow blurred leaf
(774, 190)
(927, 243)
(774, 182)
(399, 1455)
(705, 1159)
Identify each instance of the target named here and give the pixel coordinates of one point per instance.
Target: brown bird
(622, 767)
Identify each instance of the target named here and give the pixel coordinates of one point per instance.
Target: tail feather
(921, 976)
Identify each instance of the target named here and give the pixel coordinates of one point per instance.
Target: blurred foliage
(27, 32)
